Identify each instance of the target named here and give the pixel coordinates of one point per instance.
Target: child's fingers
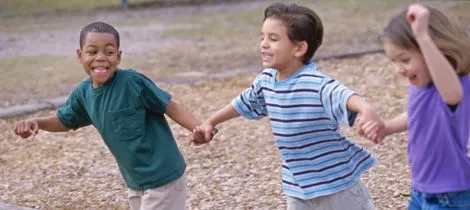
(191, 140)
(208, 134)
(16, 129)
(410, 17)
(358, 126)
(373, 137)
(411, 13)
(198, 134)
(35, 128)
(23, 128)
(26, 127)
(370, 127)
(31, 132)
(20, 128)
(380, 140)
(359, 130)
(381, 137)
(213, 133)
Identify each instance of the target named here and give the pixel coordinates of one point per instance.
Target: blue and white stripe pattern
(305, 111)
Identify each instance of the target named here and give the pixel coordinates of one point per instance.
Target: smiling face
(408, 63)
(277, 50)
(99, 56)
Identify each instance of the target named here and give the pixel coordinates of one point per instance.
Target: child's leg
(299, 204)
(134, 198)
(170, 196)
(355, 197)
(440, 201)
(415, 201)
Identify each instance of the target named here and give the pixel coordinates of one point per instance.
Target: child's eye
(109, 53)
(405, 60)
(90, 52)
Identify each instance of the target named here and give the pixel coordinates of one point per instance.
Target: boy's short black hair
(303, 24)
(98, 27)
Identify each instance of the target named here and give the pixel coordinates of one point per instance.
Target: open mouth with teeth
(100, 70)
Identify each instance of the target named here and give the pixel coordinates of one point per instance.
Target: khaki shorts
(355, 197)
(170, 196)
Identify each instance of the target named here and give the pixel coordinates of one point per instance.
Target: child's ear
(119, 56)
(79, 55)
(302, 48)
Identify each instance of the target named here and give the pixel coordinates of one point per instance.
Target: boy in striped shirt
(320, 168)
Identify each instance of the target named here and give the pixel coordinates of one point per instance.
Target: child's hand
(374, 131)
(418, 18)
(370, 125)
(203, 134)
(358, 125)
(26, 128)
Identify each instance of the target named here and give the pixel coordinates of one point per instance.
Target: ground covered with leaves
(204, 56)
(240, 169)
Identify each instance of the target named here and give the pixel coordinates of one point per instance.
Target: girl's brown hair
(448, 35)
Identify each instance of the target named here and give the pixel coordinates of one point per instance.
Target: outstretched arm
(204, 132)
(226, 113)
(368, 116)
(396, 125)
(442, 73)
(29, 127)
(181, 116)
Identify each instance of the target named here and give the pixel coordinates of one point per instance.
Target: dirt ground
(240, 169)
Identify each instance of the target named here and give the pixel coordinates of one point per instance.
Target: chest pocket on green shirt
(128, 123)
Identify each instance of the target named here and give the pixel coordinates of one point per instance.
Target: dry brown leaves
(240, 169)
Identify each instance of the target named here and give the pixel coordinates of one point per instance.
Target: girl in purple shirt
(433, 53)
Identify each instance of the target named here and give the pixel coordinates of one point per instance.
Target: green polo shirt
(128, 112)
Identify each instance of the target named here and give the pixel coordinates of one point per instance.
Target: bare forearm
(357, 104)
(442, 73)
(226, 113)
(397, 124)
(181, 116)
(51, 124)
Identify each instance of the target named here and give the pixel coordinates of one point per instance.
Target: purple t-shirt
(438, 140)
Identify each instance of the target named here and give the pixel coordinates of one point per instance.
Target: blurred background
(204, 52)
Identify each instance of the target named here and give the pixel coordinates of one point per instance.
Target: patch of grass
(227, 24)
(132, 22)
(38, 73)
(28, 25)
(34, 7)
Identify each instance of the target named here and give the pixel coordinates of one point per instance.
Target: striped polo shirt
(305, 111)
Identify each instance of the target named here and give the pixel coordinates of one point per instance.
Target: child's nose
(263, 44)
(400, 69)
(100, 56)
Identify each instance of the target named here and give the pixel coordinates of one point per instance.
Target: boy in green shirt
(128, 110)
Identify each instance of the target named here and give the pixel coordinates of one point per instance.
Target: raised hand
(26, 128)
(418, 18)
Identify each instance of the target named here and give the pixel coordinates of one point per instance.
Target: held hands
(203, 133)
(26, 128)
(371, 126)
(418, 18)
